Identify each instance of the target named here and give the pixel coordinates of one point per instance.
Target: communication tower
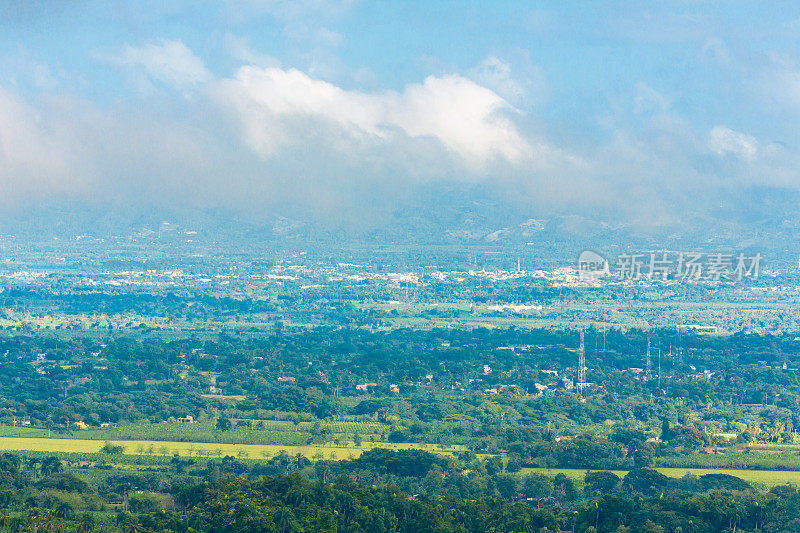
(581, 365)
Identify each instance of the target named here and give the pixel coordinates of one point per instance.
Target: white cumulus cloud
(723, 140)
(278, 107)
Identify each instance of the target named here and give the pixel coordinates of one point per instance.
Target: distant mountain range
(765, 219)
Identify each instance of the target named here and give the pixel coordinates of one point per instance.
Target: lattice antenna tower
(581, 364)
(647, 363)
(659, 363)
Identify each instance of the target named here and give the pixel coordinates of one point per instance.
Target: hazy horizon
(358, 116)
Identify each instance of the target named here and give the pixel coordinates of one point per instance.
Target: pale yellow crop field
(198, 449)
(765, 478)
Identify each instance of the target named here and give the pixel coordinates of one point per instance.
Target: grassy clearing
(773, 446)
(759, 478)
(22, 431)
(735, 459)
(280, 432)
(204, 449)
(234, 397)
(767, 478)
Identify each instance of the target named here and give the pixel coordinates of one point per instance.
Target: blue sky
(324, 104)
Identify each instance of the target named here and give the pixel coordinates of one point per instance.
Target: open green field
(206, 449)
(760, 478)
(280, 432)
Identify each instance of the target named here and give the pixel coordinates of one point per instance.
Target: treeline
(196, 305)
(405, 491)
(293, 503)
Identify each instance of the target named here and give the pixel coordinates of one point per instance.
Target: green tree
(51, 465)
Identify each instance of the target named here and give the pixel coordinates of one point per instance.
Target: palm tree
(85, 523)
(51, 465)
(284, 517)
(131, 525)
(13, 459)
(64, 510)
(33, 462)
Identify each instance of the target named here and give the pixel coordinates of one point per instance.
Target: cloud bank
(271, 137)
